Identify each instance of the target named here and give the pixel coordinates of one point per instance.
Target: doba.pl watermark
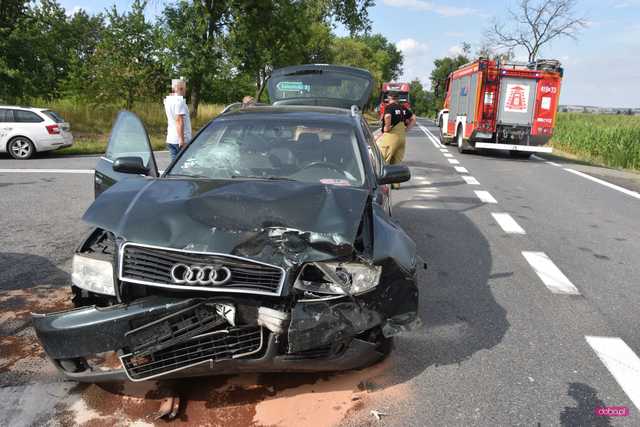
(612, 411)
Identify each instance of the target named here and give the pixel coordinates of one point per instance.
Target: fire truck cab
(505, 106)
(401, 89)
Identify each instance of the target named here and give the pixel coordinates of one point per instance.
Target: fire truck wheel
(519, 154)
(460, 141)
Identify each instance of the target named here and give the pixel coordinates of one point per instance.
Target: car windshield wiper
(177, 175)
(271, 178)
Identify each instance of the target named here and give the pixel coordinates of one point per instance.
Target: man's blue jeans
(174, 149)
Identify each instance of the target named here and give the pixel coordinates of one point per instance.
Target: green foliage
(125, 61)
(444, 67)
(613, 140)
(225, 48)
(422, 100)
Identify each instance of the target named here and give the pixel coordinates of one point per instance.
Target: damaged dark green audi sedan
(267, 245)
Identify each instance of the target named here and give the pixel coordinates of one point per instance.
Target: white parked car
(25, 131)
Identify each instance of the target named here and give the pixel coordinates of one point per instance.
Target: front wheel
(20, 148)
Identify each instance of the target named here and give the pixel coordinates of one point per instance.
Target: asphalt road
(529, 305)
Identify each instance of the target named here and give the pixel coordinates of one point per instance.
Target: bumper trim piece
(514, 147)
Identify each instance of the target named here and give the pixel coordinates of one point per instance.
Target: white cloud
(429, 6)
(418, 61)
(455, 50)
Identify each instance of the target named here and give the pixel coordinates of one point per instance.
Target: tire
(21, 148)
(460, 140)
(519, 154)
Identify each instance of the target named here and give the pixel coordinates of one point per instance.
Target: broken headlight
(93, 275)
(334, 278)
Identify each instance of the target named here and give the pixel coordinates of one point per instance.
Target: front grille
(173, 328)
(152, 266)
(214, 346)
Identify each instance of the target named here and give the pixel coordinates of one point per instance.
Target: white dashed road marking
(461, 169)
(550, 275)
(454, 161)
(448, 155)
(470, 180)
(507, 223)
(605, 183)
(621, 362)
(444, 150)
(485, 197)
(46, 171)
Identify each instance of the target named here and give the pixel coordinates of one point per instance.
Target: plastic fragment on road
(378, 415)
(168, 408)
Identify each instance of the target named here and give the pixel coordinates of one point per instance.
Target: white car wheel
(20, 148)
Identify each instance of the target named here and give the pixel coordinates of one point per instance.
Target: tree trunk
(259, 85)
(196, 89)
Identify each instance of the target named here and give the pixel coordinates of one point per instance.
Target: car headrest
(309, 139)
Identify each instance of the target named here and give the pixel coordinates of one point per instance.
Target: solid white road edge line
(621, 362)
(485, 196)
(507, 223)
(533, 156)
(470, 180)
(454, 161)
(461, 169)
(433, 137)
(550, 275)
(46, 170)
(605, 183)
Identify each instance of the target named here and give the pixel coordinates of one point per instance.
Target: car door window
(6, 116)
(129, 139)
(22, 116)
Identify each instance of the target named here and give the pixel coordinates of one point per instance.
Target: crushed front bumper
(171, 338)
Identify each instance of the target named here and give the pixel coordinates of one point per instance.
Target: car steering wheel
(328, 165)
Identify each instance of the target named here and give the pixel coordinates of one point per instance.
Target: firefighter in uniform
(396, 121)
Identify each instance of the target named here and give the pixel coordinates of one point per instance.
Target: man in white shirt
(178, 120)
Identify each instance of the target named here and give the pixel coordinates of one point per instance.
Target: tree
(126, 61)
(267, 34)
(193, 42)
(442, 68)
(389, 59)
(536, 23)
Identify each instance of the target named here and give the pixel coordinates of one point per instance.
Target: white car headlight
(334, 278)
(93, 275)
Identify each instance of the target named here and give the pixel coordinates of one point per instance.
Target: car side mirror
(133, 165)
(394, 174)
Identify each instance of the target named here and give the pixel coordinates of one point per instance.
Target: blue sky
(602, 68)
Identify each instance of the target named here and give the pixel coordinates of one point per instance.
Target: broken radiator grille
(152, 266)
(214, 346)
(173, 328)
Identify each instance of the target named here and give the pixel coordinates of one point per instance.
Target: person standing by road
(178, 120)
(396, 121)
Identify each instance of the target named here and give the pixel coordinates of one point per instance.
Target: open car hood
(281, 223)
(320, 84)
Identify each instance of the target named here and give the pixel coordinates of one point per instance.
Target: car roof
(19, 107)
(291, 111)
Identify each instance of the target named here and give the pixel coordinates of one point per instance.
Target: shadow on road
(459, 312)
(583, 414)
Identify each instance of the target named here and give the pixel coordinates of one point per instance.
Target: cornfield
(612, 140)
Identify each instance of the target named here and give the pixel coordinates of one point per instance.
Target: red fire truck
(401, 89)
(505, 106)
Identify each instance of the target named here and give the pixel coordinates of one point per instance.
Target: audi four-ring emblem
(204, 275)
